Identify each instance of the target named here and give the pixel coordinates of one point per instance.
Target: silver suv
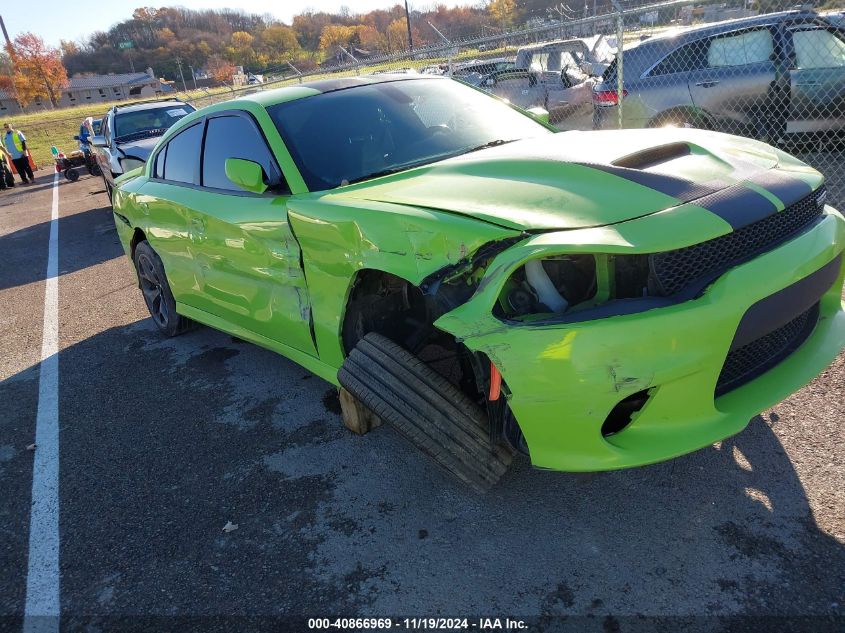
(129, 132)
(768, 77)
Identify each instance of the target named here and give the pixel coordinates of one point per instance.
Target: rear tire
(433, 414)
(156, 291)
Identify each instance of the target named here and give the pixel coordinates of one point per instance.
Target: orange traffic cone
(32, 164)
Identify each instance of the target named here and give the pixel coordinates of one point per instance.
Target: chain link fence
(777, 75)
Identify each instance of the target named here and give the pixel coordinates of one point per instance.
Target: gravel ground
(165, 441)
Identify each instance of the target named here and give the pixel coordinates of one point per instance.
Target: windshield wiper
(141, 134)
(487, 145)
(389, 170)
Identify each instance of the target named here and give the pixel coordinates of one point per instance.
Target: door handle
(707, 84)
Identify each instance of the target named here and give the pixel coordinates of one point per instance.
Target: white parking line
(41, 613)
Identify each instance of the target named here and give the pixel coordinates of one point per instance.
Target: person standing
(15, 143)
(6, 178)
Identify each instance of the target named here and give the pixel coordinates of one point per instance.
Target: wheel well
(383, 303)
(137, 237)
(394, 307)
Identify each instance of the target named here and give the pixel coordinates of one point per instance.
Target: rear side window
(232, 137)
(158, 167)
(818, 48)
(741, 49)
(692, 56)
(183, 155)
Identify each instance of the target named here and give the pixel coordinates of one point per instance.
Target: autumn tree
(370, 39)
(38, 70)
(397, 35)
(220, 69)
(241, 50)
(503, 11)
(278, 43)
(336, 35)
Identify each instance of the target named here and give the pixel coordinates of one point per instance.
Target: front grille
(674, 271)
(753, 359)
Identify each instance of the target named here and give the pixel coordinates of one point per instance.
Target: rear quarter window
(183, 156)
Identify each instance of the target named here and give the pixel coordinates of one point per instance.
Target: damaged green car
(594, 300)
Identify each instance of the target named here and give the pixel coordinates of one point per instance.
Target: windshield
(148, 122)
(350, 135)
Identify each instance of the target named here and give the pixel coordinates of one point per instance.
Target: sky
(70, 20)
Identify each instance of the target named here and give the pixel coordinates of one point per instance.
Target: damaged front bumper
(563, 380)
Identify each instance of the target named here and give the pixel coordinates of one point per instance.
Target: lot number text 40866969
(414, 624)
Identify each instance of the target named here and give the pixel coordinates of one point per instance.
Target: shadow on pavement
(164, 441)
(24, 258)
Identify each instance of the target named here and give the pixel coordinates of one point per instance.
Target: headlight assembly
(553, 287)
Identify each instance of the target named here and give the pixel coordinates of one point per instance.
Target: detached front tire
(156, 291)
(433, 414)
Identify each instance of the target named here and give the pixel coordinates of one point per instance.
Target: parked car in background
(474, 71)
(594, 300)
(129, 133)
(556, 76)
(591, 55)
(769, 77)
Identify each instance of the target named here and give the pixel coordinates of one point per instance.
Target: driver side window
(233, 137)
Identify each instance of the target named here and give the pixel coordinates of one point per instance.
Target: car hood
(140, 149)
(581, 179)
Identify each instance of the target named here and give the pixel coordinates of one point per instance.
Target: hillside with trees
(213, 40)
(218, 40)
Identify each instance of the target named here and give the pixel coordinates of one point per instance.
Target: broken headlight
(548, 287)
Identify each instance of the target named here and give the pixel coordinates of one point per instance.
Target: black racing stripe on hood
(738, 205)
(678, 188)
(781, 184)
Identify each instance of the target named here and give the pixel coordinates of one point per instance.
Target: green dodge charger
(594, 300)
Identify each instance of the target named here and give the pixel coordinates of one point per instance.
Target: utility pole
(194, 76)
(6, 35)
(179, 64)
(408, 20)
(11, 50)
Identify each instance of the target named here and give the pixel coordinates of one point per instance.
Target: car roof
(147, 105)
(269, 98)
(703, 30)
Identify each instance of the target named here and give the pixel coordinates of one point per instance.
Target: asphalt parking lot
(162, 442)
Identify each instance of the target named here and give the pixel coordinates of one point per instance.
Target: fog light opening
(621, 415)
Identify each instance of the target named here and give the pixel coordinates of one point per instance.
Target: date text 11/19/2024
(419, 624)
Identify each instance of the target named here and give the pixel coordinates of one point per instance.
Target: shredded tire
(434, 415)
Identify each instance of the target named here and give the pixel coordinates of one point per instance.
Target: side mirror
(76, 138)
(541, 114)
(98, 141)
(246, 174)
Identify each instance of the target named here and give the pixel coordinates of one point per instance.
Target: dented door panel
(248, 264)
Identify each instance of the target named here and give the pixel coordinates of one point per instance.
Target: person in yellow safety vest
(15, 143)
